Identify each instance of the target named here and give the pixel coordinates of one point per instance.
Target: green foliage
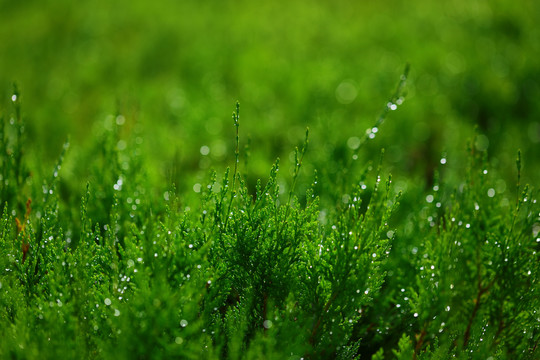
(117, 266)
(326, 65)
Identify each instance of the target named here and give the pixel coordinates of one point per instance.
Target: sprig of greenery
(234, 272)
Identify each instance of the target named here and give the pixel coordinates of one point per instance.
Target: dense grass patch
(138, 220)
(132, 269)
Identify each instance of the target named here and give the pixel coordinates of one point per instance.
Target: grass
(235, 273)
(329, 221)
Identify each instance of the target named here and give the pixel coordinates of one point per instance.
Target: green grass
(234, 273)
(138, 220)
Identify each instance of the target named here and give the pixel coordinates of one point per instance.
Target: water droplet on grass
(391, 106)
(205, 150)
(267, 324)
(183, 323)
(118, 185)
(353, 142)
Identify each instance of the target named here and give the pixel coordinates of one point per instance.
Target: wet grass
(136, 270)
(349, 209)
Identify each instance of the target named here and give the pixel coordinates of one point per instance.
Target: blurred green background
(169, 73)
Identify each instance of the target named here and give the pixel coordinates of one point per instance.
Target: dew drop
(353, 142)
(267, 324)
(391, 106)
(205, 150)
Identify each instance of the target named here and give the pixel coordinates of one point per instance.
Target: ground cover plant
(239, 272)
(324, 220)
